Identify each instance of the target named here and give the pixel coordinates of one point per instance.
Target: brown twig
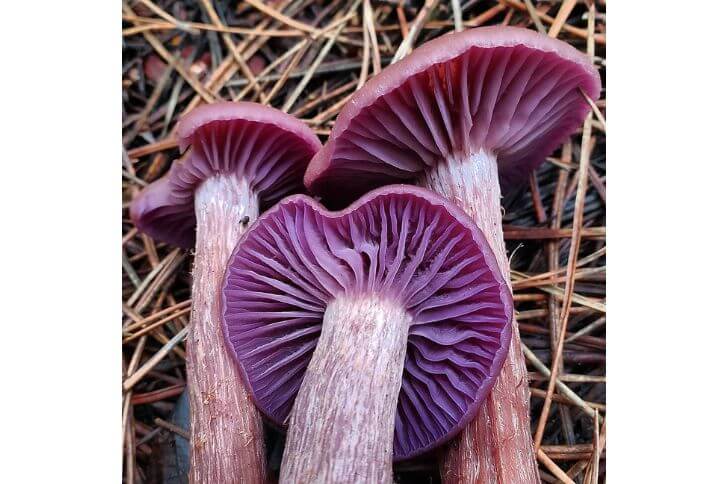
(172, 428)
(273, 13)
(564, 11)
(551, 466)
(157, 395)
(414, 30)
(322, 54)
(536, 197)
(571, 267)
(534, 16)
(231, 46)
(581, 33)
(154, 360)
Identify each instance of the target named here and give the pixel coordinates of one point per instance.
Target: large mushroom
(240, 156)
(459, 115)
(375, 332)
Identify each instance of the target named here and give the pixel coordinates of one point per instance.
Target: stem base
(226, 438)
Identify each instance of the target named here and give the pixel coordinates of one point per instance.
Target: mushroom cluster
(383, 329)
(378, 329)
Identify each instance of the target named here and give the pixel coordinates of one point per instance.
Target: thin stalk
(342, 422)
(226, 431)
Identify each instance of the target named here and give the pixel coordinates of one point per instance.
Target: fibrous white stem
(226, 430)
(342, 423)
(496, 447)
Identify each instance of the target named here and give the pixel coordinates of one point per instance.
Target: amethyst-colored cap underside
(517, 101)
(400, 245)
(270, 158)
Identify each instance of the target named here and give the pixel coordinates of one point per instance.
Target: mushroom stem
(497, 445)
(342, 422)
(226, 430)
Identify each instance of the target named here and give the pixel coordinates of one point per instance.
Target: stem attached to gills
(226, 431)
(496, 447)
(342, 423)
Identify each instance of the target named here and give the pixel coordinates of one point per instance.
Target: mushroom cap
(399, 242)
(264, 147)
(508, 90)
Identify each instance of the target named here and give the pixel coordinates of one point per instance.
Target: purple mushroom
(240, 156)
(464, 115)
(375, 332)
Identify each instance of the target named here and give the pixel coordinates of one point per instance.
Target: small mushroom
(460, 115)
(378, 329)
(239, 156)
